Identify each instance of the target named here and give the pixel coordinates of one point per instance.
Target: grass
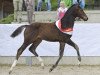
(7, 20)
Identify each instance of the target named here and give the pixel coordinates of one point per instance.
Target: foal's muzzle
(85, 18)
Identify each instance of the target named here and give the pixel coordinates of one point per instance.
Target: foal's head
(78, 12)
(73, 12)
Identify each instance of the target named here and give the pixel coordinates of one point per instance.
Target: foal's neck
(67, 21)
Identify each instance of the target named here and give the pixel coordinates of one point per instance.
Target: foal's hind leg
(62, 45)
(19, 52)
(71, 43)
(32, 49)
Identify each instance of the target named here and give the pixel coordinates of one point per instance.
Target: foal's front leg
(62, 45)
(71, 43)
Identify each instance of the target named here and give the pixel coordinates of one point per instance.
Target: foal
(36, 32)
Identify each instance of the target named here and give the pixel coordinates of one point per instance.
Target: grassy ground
(7, 20)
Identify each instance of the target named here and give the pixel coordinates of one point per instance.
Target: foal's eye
(80, 10)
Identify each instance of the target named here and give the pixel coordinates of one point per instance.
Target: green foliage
(54, 4)
(89, 4)
(7, 20)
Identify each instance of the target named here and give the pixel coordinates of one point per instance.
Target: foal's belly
(55, 36)
(58, 39)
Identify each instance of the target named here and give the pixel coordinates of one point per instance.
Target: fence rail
(44, 16)
(50, 60)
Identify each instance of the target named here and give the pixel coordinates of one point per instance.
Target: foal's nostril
(85, 18)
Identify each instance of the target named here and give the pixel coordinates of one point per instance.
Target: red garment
(61, 14)
(66, 30)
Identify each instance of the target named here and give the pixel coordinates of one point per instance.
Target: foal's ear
(77, 5)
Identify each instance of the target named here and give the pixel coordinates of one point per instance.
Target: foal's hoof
(10, 72)
(79, 58)
(42, 65)
(50, 70)
(79, 63)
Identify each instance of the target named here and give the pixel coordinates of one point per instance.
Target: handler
(17, 10)
(29, 6)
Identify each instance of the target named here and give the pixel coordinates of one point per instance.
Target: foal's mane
(72, 8)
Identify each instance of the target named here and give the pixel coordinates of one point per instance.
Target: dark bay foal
(36, 32)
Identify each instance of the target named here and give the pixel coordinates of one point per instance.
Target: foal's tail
(18, 31)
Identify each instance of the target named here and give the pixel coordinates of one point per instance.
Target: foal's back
(45, 31)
